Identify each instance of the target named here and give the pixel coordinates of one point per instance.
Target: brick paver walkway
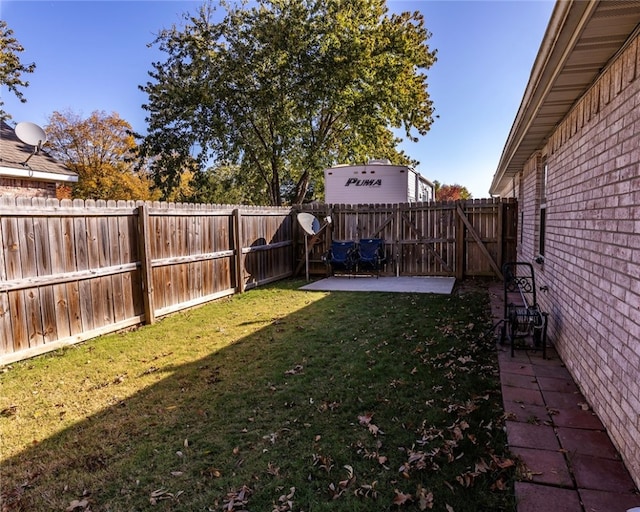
(568, 462)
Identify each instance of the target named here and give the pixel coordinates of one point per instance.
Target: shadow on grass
(354, 402)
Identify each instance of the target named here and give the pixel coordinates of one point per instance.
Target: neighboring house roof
(41, 166)
(581, 38)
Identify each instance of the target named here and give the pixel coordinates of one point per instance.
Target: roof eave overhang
(581, 39)
(567, 21)
(30, 174)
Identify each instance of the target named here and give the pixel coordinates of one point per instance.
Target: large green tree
(287, 87)
(101, 149)
(11, 68)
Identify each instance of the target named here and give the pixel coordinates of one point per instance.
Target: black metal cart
(524, 324)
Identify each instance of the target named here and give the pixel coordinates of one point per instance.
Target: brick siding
(26, 188)
(592, 256)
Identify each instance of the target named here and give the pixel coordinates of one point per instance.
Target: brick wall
(26, 188)
(592, 257)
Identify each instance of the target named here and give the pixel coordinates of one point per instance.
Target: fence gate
(458, 238)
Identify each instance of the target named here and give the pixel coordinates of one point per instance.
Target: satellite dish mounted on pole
(32, 135)
(311, 227)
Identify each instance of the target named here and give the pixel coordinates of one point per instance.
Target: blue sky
(93, 55)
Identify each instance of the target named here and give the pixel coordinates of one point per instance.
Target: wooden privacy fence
(71, 271)
(458, 238)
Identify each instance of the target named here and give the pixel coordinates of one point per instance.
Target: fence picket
(71, 270)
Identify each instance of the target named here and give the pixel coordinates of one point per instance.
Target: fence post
(460, 241)
(237, 241)
(397, 233)
(144, 248)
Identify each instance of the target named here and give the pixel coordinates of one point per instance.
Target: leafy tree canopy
(100, 149)
(286, 88)
(453, 192)
(11, 69)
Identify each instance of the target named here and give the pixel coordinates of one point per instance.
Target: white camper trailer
(376, 182)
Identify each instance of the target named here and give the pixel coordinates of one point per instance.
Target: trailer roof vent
(379, 161)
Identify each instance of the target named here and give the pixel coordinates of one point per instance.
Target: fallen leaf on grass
(273, 469)
(295, 370)
(367, 490)
(401, 498)
(78, 505)
(237, 500)
(425, 498)
(502, 463)
(162, 494)
(7, 412)
(285, 502)
(350, 480)
(499, 485)
(323, 462)
(365, 421)
(212, 472)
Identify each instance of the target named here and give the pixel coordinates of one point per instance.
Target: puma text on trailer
(377, 182)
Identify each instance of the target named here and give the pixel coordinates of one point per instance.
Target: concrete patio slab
(437, 285)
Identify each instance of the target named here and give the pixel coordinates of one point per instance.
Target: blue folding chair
(371, 255)
(341, 256)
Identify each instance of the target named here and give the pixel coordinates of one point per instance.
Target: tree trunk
(301, 188)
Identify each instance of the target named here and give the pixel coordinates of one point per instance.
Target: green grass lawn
(273, 400)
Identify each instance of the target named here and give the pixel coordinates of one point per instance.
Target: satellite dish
(31, 134)
(309, 223)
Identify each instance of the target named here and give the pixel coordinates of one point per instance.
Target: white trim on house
(582, 38)
(27, 173)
